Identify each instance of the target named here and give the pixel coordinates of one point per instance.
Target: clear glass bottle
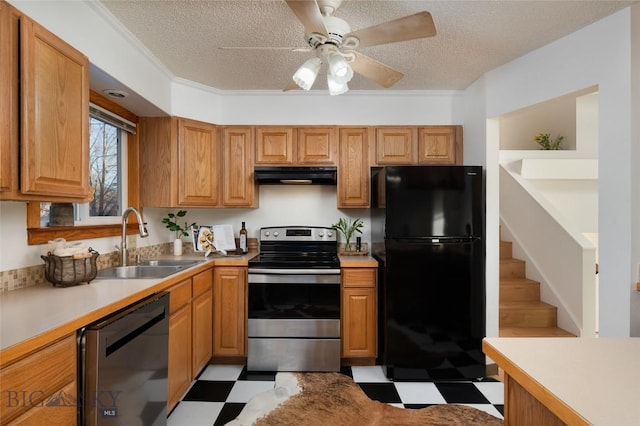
(243, 239)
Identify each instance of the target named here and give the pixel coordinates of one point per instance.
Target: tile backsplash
(13, 279)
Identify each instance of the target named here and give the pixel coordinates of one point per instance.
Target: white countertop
(33, 310)
(598, 378)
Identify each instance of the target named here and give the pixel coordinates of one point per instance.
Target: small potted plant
(347, 228)
(172, 223)
(546, 143)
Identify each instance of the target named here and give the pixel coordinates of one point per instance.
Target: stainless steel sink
(169, 262)
(148, 269)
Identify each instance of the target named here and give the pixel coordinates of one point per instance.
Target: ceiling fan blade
(308, 13)
(374, 70)
(290, 86)
(410, 27)
(291, 49)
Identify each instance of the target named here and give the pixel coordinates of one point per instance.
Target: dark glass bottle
(243, 239)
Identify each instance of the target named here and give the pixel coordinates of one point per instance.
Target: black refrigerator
(428, 235)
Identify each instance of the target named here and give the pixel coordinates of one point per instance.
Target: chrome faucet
(124, 252)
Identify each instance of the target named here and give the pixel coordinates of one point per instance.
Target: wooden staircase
(522, 313)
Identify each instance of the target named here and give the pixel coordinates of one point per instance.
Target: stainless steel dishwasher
(123, 366)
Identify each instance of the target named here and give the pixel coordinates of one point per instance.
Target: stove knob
(266, 233)
(329, 234)
(275, 234)
(320, 234)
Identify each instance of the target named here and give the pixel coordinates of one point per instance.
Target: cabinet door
(358, 323)
(440, 145)
(55, 115)
(229, 311)
(198, 164)
(316, 145)
(158, 169)
(353, 170)
(239, 188)
(47, 376)
(395, 145)
(202, 311)
(179, 370)
(274, 145)
(9, 93)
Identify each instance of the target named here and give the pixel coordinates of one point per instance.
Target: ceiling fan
(335, 45)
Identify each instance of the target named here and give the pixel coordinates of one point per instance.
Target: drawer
(359, 277)
(202, 282)
(29, 383)
(180, 295)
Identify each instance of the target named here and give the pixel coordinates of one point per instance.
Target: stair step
(534, 332)
(506, 249)
(519, 290)
(512, 268)
(527, 314)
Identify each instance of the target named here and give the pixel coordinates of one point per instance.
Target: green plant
(171, 222)
(544, 140)
(347, 228)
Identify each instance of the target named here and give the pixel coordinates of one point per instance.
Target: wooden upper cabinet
(55, 115)
(44, 120)
(290, 146)
(239, 187)
(9, 93)
(317, 145)
(353, 168)
(179, 163)
(275, 145)
(198, 164)
(395, 145)
(440, 145)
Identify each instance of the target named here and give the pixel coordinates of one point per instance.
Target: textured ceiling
(472, 38)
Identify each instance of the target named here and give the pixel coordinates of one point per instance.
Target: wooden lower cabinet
(180, 350)
(190, 333)
(202, 319)
(230, 312)
(32, 385)
(359, 331)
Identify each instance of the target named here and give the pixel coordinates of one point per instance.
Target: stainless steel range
(294, 301)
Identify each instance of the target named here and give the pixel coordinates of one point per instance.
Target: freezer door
(434, 308)
(438, 201)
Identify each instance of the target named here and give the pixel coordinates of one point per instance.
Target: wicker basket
(66, 271)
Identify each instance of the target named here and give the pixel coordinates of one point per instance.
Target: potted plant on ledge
(171, 222)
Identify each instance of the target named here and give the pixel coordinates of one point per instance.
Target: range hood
(295, 175)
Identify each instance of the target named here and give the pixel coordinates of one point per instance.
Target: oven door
(294, 296)
(294, 322)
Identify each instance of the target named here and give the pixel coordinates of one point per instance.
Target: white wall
(597, 55)
(299, 107)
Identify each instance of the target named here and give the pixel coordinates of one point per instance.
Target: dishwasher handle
(134, 332)
(132, 321)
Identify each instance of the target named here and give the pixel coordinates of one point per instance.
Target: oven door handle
(294, 271)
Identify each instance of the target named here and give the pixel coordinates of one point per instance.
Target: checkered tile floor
(221, 391)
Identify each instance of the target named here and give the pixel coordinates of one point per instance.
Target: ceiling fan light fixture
(336, 87)
(307, 73)
(340, 68)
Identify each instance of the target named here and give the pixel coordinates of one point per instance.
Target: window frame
(41, 235)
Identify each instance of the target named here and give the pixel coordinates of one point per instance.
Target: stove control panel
(297, 233)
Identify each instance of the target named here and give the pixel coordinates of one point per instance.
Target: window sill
(75, 233)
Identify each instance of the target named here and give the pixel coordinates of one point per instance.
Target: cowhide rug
(322, 399)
